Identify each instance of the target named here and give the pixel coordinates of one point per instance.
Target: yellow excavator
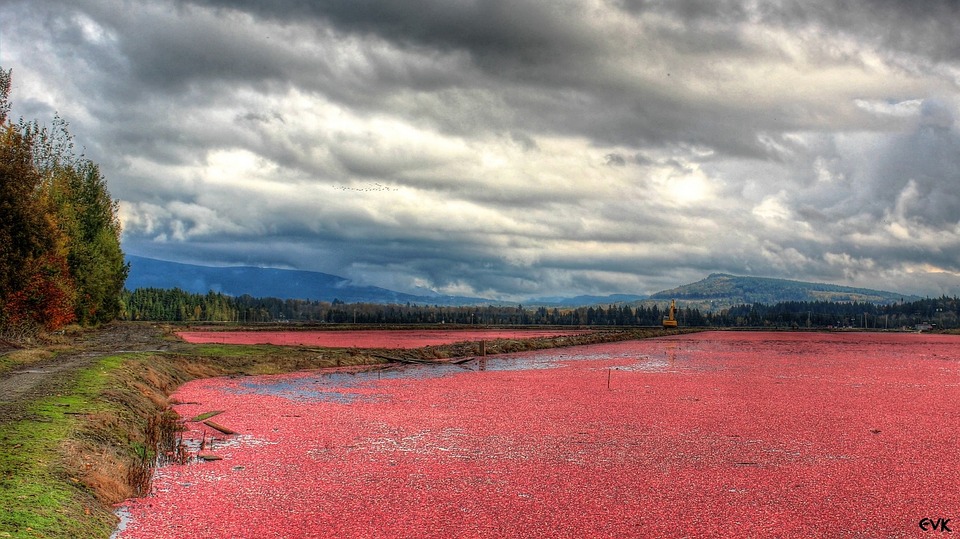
(671, 321)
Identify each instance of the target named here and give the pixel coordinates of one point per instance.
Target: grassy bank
(90, 446)
(40, 489)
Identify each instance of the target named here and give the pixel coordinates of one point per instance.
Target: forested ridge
(727, 290)
(60, 256)
(180, 306)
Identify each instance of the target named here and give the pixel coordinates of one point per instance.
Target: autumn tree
(87, 217)
(60, 256)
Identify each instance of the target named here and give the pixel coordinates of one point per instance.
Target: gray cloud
(516, 148)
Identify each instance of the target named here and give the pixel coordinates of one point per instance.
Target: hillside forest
(60, 256)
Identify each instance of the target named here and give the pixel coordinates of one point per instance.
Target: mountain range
(271, 283)
(717, 291)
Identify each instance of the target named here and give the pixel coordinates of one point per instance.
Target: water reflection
(347, 387)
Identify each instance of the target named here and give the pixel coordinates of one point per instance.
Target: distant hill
(720, 290)
(272, 283)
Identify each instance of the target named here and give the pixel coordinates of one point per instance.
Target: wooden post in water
(483, 355)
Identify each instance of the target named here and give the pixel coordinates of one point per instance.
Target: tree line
(60, 256)
(180, 306)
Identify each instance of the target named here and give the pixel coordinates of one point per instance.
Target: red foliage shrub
(48, 297)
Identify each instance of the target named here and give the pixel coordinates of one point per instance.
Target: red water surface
(707, 435)
(367, 338)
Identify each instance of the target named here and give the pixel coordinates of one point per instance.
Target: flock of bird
(376, 187)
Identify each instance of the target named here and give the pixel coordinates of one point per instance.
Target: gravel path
(48, 377)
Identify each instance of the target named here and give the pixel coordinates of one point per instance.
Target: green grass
(235, 350)
(38, 497)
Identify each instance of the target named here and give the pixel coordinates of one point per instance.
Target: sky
(516, 149)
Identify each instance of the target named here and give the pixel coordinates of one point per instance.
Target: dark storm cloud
(549, 59)
(488, 28)
(542, 58)
(516, 148)
(928, 29)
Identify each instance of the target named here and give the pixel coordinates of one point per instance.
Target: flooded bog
(723, 434)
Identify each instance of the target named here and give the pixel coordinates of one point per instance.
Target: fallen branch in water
(217, 426)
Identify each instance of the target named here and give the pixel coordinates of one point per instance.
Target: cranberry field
(407, 338)
(719, 434)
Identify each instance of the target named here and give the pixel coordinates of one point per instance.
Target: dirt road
(48, 377)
